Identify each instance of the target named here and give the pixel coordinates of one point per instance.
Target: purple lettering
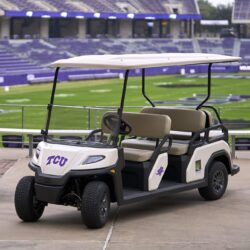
(56, 159)
(50, 158)
(63, 161)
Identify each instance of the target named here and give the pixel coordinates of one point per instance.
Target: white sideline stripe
(110, 230)
(18, 100)
(108, 237)
(100, 90)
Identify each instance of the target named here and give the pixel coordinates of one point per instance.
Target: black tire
(217, 182)
(28, 208)
(95, 204)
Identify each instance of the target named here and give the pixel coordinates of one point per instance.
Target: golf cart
(154, 152)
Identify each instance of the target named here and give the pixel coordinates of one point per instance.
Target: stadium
(33, 34)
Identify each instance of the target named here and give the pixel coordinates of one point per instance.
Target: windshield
(79, 120)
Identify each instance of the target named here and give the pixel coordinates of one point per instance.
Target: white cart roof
(133, 61)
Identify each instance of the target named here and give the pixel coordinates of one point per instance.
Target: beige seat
(184, 120)
(143, 125)
(138, 155)
(178, 147)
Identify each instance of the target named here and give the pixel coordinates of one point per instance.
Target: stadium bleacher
(35, 55)
(38, 53)
(217, 46)
(245, 51)
(32, 54)
(109, 6)
(241, 11)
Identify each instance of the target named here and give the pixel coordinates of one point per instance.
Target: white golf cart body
(153, 161)
(60, 159)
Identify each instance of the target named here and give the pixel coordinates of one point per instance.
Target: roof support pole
(123, 94)
(115, 136)
(208, 87)
(50, 105)
(143, 89)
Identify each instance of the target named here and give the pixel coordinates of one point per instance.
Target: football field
(107, 93)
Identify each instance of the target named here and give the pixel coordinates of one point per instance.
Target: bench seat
(154, 126)
(178, 147)
(185, 121)
(137, 155)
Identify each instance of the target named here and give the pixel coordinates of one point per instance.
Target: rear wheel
(217, 182)
(28, 208)
(95, 204)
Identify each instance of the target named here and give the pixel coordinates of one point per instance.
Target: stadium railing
(84, 119)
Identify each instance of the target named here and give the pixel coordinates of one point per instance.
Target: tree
(210, 12)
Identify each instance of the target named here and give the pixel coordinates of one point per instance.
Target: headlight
(93, 159)
(37, 153)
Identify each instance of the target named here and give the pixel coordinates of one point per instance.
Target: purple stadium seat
(241, 10)
(109, 6)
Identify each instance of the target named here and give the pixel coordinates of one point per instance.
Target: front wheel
(28, 208)
(95, 204)
(217, 182)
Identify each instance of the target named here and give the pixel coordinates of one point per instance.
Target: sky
(217, 2)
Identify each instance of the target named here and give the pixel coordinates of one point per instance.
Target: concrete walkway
(182, 221)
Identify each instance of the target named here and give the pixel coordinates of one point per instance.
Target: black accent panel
(164, 189)
(117, 177)
(177, 166)
(235, 170)
(135, 175)
(49, 194)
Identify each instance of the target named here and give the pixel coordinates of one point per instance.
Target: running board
(165, 188)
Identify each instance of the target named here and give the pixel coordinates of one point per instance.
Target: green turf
(92, 93)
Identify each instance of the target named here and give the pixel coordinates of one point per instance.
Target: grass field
(107, 93)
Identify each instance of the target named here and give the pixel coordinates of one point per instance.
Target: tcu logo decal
(56, 159)
(160, 171)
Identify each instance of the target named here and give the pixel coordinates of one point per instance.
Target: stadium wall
(4, 27)
(21, 27)
(125, 28)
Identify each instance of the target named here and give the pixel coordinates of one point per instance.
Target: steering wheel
(111, 120)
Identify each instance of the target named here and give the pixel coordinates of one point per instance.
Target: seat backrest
(186, 120)
(144, 125)
(209, 118)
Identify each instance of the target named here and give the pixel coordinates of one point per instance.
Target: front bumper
(50, 188)
(235, 170)
(49, 194)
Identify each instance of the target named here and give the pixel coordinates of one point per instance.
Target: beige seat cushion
(143, 125)
(139, 144)
(178, 147)
(138, 155)
(186, 120)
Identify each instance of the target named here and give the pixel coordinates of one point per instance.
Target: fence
(84, 117)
